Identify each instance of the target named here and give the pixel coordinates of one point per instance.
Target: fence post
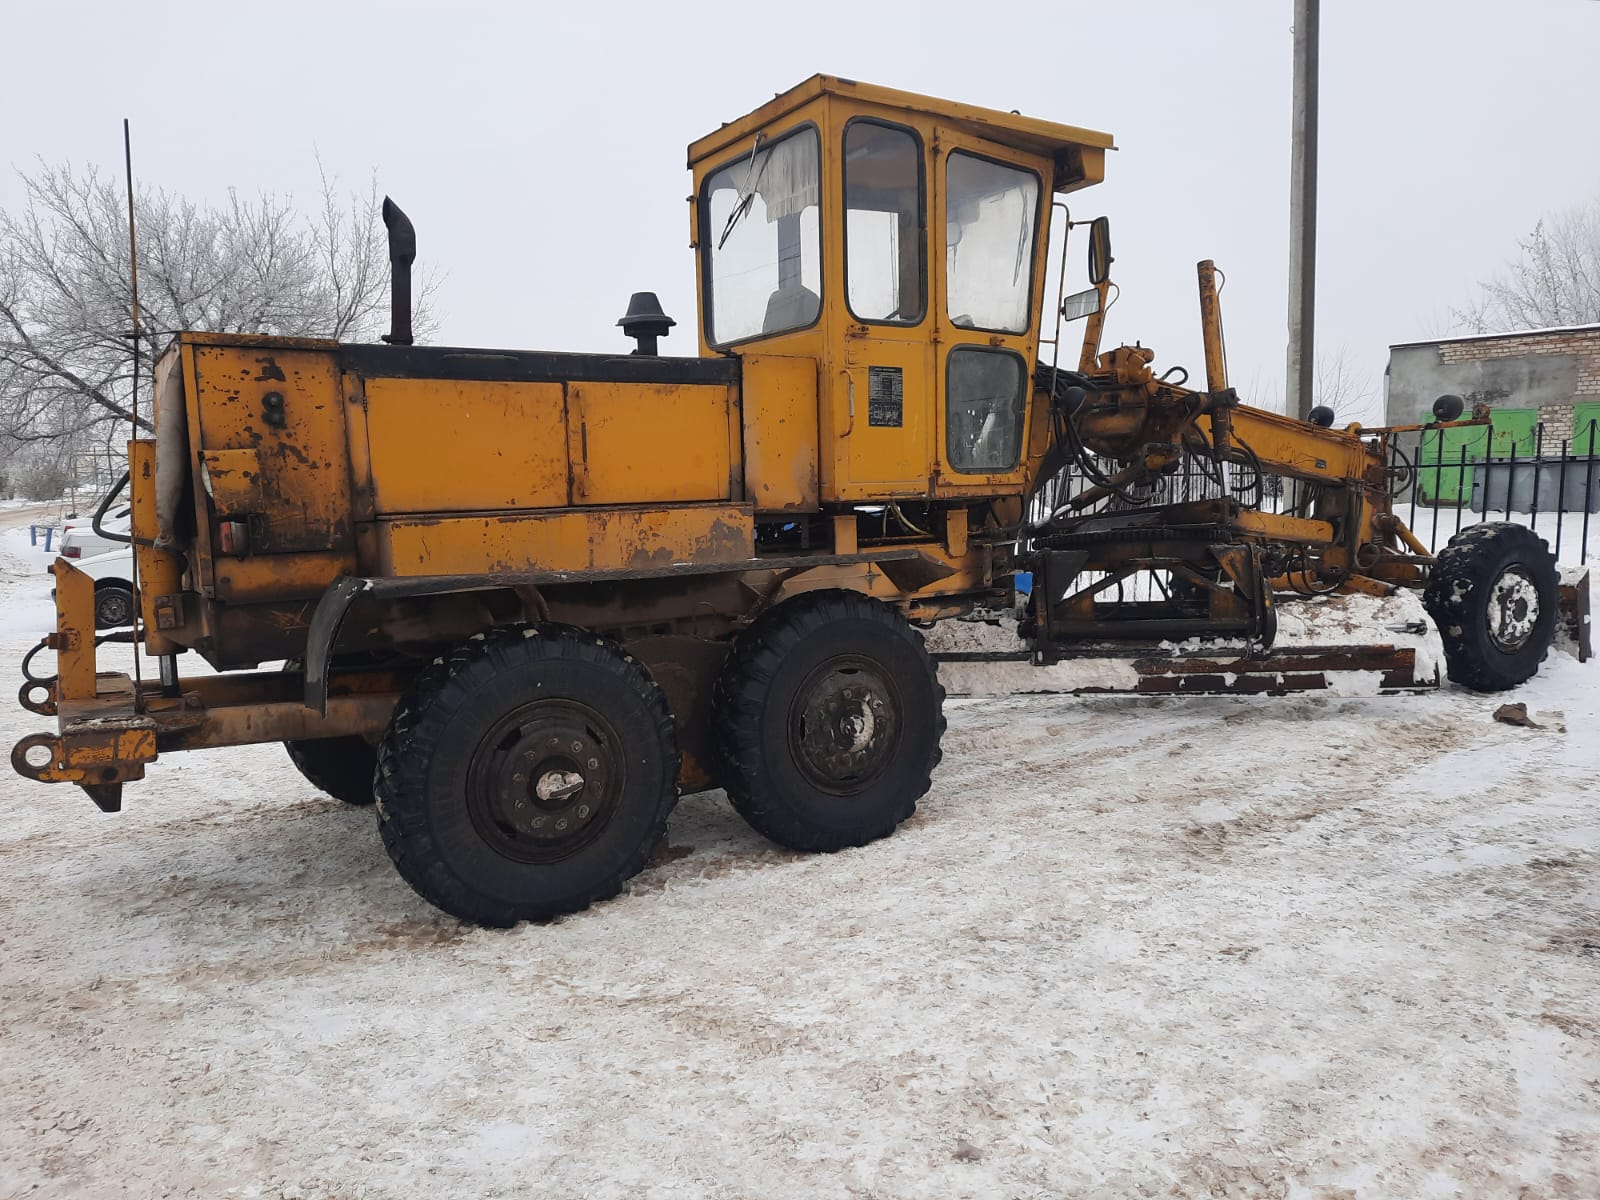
(1416, 485)
(1537, 463)
(1588, 495)
(1438, 484)
(1511, 474)
(1561, 494)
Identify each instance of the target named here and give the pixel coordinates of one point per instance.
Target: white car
(79, 540)
(113, 586)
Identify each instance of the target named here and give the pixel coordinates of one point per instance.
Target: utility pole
(1303, 214)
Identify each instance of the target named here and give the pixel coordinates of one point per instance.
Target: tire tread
(753, 665)
(413, 737)
(1463, 566)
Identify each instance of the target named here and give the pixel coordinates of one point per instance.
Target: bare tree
(247, 266)
(1554, 281)
(1341, 386)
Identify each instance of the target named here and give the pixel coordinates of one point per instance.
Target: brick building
(1539, 376)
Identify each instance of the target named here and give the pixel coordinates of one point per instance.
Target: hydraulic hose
(105, 506)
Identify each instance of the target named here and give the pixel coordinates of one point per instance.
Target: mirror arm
(1091, 331)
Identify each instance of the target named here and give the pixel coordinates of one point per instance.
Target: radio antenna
(133, 413)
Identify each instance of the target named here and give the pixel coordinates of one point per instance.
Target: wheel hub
(1513, 609)
(845, 724)
(545, 781)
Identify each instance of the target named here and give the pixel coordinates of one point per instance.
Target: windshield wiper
(747, 190)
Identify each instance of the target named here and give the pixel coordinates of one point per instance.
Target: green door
(1585, 420)
(1444, 467)
(1513, 432)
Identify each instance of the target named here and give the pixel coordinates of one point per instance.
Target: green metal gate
(1444, 466)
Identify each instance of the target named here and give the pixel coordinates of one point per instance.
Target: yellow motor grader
(524, 599)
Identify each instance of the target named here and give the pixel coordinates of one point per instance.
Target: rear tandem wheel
(342, 767)
(829, 715)
(527, 774)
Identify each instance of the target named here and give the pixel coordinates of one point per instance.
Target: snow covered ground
(1309, 947)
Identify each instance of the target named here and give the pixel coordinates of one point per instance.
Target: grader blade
(1368, 670)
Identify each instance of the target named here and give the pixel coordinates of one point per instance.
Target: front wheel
(1493, 593)
(829, 714)
(527, 774)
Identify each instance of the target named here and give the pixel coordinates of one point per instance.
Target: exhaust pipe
(402, 253)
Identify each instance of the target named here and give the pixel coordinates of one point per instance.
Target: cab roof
(1060, 143)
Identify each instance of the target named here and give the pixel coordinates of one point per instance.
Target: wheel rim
(845, 724)
(545, 781)
(112, 610)
(1513, 609)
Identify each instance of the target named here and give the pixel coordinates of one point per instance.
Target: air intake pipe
(402, 253)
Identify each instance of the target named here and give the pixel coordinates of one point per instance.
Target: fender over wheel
(1493, 593)
(527, 774)
(829, 715)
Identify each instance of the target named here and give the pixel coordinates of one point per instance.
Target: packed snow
(1317, 946)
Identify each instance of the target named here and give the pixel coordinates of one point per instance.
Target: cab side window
(984, 409)
(991, 213)
(884, 201)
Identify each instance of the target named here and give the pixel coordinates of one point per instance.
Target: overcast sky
(539, 148)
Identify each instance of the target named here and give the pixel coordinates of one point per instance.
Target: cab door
(988, 217)
(888, 357)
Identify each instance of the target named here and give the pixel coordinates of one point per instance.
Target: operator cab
(899, 243)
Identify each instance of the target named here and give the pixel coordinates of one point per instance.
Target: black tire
(113, 606)
(343, 767)
(804, 685)
(1493, 594)
(498, 747)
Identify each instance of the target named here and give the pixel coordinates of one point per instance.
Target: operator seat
(791, 308)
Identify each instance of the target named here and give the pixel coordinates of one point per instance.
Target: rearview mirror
(1081, 304)
(1099, 250)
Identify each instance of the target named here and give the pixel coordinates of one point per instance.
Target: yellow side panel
(887, 401)
(649, 443)
(284, 408)
(262, 577)
(779, 401)
(568, 540)
(442, 445)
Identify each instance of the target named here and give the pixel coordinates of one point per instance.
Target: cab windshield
(762, 237)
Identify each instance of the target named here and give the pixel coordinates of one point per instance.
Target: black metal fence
(1445, 480)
